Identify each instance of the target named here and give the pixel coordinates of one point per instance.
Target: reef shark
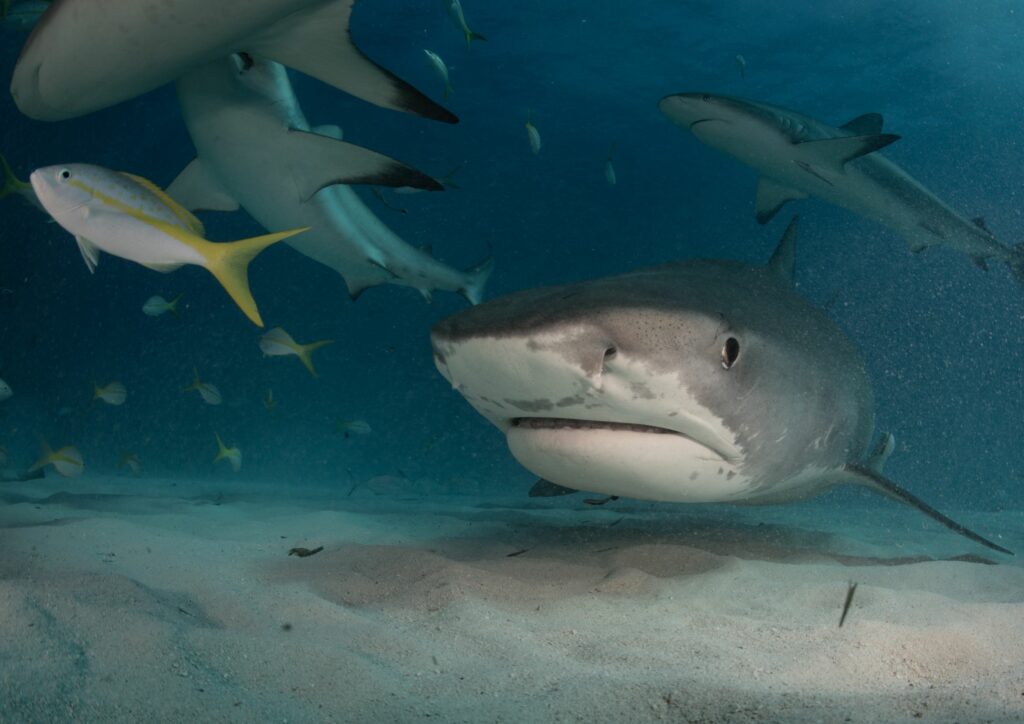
(85, 55)
(799, 156)
(697, 381)
(256, 149)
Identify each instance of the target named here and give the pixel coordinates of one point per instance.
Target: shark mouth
(564, 423)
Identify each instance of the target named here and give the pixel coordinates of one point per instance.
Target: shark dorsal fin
(783, 261)
(771, 196)
(870, 124)
(834, 153)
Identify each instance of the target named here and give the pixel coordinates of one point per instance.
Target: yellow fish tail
(11, 183)
(305, 352)
(229, 264)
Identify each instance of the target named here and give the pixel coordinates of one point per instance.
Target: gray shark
(799, 156)
(256, 150)
(84, 55)
(697, 381)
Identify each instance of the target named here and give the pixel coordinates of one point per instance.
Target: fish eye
(730, 352)
(64, 174)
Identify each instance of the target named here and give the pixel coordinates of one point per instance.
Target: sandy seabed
(156, 600)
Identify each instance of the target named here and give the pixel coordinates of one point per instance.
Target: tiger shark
(256, 150)
(799, 156)
(696, 381)
(84, 55)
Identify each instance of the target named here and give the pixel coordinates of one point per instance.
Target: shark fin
(1016, 262)
(476, 280)
(330, 130)
(772, 196)
(834, 153)
(316, 41)
(870, 478)
(870, 124)
(878, 459)
(90, 253)
(546, 489)
(318, 162)
(979, 221)
(783, 261)
(195, 189)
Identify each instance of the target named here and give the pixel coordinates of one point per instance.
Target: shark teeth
(562, 423)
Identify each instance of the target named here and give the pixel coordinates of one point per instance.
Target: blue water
(943, 340)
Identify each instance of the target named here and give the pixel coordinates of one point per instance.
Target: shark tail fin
(229, 263)
(1016, 262)
(869, 477)
(476, 280)
(11, 184)
(306, 351)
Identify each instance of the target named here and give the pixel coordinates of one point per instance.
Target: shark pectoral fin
(870, 478)
(834, 153)
(783, 261)
(869, 124)
(316, 41)
(878, 459)
(772, 196)
(546, 489)
(90, 253)
(328, 129)
(195, 189)
(318, 161)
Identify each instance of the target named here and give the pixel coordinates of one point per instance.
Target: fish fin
(471, 36)
(866, 476)
(772, 196)
(11, 184)
(328, 129)
(428, 297)
(834, 153)
(447, 181)
(229, 263)
(359, 280)
(164, 268)
(476, 279)
(317, 42)
(37, 474)
(90, 253)
(184, 215)
(878, 459)
(172, 306)
(546, 489)
(305, 353)
(195, 189)
(783, 261)
(318, 161)
(869, 124)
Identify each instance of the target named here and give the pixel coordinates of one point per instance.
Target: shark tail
(871, 477)
(306, 351)
(229, 263)
(1016, 262)
(476, 280)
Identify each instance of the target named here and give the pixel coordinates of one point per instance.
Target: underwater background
(436, 588)
(942, 339)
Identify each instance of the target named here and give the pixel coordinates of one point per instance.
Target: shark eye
(730, 352)
(63, 174)
(610, 353)
(247, 61)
